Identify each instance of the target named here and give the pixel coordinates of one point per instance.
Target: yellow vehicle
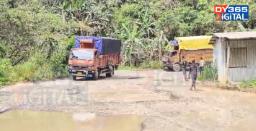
(191, 48)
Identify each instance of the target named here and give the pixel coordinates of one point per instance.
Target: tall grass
(5, 67)
(209, 73)
(248, 84)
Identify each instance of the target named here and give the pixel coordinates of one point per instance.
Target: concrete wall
(220, 58)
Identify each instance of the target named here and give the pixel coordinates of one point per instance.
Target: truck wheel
(96, 75)
(74, 78)
(116, 67)
(111, 72)
(176, 67)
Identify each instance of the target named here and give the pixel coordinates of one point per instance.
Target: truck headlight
(164, 59)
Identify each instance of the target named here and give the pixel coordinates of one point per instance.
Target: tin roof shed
(235, 56)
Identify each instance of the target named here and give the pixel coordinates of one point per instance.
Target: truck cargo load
(102, 44)
(194, 42)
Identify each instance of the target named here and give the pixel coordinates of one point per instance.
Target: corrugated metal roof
(236, 35)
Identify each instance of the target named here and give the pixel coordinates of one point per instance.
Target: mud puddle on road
(57, 121)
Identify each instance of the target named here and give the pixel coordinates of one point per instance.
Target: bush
(38, 67)
(209, 73)
(144, 65)
(124, 67)
(151, 65)
(5, 70)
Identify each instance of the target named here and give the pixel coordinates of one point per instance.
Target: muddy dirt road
(162, 100)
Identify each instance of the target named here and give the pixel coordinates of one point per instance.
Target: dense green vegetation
(37, 34)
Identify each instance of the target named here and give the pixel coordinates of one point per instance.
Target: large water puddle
(57, 121)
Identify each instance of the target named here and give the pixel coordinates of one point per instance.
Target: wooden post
(160, 46)
(228, 59)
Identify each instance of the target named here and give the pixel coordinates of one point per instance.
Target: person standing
(201, 65)
(193, 73)
(183, 67)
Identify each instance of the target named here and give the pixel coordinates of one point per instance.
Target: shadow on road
(128, 77)
(106, 78)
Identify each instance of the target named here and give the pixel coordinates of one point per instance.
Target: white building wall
(220, 59)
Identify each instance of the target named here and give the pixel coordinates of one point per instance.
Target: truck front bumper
(81, 73)
(167, 64)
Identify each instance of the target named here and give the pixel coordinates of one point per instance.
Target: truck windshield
(82, 54)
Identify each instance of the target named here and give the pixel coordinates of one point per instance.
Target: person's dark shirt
(184, 64)
(193, 69)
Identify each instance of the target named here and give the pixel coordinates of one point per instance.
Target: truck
(191, 48)
(94, 56)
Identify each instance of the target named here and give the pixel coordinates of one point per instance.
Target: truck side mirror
(98, 55)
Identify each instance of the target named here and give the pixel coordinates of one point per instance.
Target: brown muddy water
(58, 121)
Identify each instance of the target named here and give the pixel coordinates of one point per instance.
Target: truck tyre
(74, 78)
(111, 72)
(176, 67)
(96, 75)
(116, 67)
